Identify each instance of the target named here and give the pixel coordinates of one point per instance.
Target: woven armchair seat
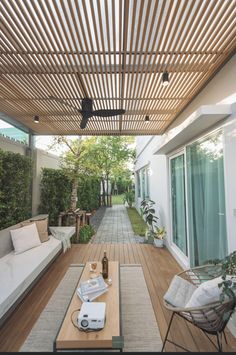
(211, 318)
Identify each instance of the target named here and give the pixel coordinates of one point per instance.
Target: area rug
(139, 325)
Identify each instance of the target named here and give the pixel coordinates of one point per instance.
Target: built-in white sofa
(18, 273)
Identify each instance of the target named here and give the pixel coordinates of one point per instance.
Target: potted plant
(129, 198)
(150, 218)
(159, 236)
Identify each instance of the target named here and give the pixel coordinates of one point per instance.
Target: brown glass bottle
(105, 266)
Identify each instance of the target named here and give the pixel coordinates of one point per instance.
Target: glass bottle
(105, 266)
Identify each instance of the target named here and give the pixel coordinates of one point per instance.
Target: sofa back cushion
(25, 238)
(6, 245)
(42, 227)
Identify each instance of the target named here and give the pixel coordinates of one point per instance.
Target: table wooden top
(70, 337)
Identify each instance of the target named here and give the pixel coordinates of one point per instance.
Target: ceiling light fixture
(146, 119)
(165, 78)
(36, 119)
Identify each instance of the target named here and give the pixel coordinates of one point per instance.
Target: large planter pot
(158, 243)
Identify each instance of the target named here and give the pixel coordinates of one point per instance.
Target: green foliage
(148, 212)
(55, 193)
(138, 224)
(117, 199)
(85, 234)
(129, 197)
(159, 233)
(15, 183)
(228, 285)
(88, 193)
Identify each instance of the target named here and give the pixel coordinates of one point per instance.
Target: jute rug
(139, 324)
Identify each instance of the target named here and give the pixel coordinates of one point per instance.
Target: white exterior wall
(221, 90)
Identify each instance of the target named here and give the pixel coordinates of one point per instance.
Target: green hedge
(88, 193)
(56, 191)
(15, 188)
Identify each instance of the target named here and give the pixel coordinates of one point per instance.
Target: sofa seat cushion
(17, 272)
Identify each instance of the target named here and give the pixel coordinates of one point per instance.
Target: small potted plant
(159, 236)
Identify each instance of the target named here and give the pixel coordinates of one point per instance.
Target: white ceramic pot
(158, 243)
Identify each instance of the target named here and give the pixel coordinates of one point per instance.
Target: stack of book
(91, 289)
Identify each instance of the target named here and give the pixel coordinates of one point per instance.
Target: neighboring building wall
(42, 159)
(10, 145)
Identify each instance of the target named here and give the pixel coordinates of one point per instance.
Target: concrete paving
(115, 227)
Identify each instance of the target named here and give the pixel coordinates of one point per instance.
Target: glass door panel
(206, 200)
(179, 235)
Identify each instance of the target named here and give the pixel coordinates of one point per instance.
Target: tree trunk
(107, 192)
(73, 200)
(103, 192)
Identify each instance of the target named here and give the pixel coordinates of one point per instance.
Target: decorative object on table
(91, 289)
(159, 236)
(148, 211)
(93, 266)
(105, 265)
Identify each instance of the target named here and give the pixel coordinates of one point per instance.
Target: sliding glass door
(206, 200)
(179, 234)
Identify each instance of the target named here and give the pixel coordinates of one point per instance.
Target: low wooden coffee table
(70, 337)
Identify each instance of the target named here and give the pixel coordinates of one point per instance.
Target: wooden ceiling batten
(113, 52)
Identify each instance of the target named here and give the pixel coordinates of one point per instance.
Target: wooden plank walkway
(158, 266)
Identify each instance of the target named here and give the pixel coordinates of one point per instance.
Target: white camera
(92, 315)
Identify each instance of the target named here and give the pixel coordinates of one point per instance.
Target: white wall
(10, 145)
(221, 90)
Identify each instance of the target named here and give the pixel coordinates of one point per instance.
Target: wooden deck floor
(159, 268)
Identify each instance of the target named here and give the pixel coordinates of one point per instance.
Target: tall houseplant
(148, 211)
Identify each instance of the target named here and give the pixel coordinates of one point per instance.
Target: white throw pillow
(206, 293)
(179, 292)
(25, 238)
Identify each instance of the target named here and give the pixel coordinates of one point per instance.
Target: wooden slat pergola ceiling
(114, 52)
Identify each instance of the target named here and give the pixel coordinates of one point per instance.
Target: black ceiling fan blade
(85, 116)
(64, 103)
(108, 113)
(83, 122)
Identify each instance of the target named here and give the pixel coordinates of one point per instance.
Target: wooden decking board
(188, 337)
(130, 253)
(162, 319)
(158, 266)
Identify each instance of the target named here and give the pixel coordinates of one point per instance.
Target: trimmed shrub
(88, 193)
(55, 194)
(85, 234)
(15, 188)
